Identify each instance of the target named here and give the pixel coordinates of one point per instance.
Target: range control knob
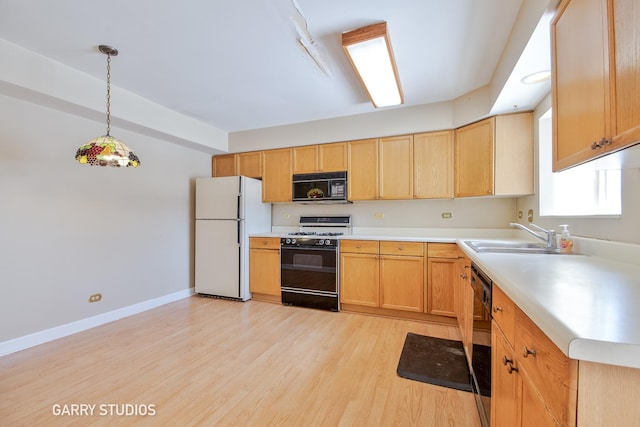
(293, 241)
(320, 242)
(288, 241)
(327, 242)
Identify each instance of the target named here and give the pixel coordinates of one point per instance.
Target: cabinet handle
(601, 143)
(497, 309)
(528, 352)
(401, 248)
(463, 276)
(509, 364)
(358, 246)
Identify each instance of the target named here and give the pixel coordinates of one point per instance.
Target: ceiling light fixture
(106, 150)
(537, 77)
(369, 51)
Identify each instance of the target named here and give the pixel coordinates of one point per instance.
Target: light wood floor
(204, 361)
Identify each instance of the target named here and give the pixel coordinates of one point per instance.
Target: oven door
(309, 268)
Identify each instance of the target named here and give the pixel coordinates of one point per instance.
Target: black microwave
(324, 187)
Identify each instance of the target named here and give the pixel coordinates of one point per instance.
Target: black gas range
(309, 262)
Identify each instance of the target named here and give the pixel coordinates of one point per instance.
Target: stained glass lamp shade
(106, 150)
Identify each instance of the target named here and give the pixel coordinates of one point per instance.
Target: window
(580, 191)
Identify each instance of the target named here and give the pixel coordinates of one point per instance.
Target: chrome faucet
(549, 236)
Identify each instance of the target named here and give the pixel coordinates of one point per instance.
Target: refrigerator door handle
(239, 232)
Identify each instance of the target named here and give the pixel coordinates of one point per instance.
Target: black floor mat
(435, 361)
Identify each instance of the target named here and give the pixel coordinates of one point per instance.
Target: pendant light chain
(106, 150)
(108, 94)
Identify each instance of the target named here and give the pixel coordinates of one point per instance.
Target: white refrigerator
(228, 209)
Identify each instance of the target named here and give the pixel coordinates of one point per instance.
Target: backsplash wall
(481, 212)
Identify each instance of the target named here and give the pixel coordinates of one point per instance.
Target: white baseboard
(21, 343)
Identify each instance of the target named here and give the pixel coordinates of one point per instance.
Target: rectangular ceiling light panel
(369, 51)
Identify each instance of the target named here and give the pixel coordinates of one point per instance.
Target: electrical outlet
(95, 297)
(378, 215)
(530, 215)
(447, 215)
(519, 214)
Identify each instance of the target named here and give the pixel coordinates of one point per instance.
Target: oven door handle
(309, 248)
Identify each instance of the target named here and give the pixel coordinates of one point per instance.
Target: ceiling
(236, 65)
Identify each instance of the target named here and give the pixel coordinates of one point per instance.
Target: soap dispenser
(566, 241)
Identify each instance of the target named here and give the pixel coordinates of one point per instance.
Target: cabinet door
(626, 15)
(264, 271)
(396, 167)
(474, 157)
(442, 278)
(277, 168)
(534, 411)
(433, 165)
(505, 393)
(250, 164)
(360, 279)
(333, 157)
(580, 81)
(402, 282)
(305, 159)
(224, 165)
(513, 163)
(362, 169)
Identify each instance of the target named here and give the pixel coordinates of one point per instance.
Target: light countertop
(587, 304)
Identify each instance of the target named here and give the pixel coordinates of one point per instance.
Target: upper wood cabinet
(249, 164)
(277, 170)
(433, 165)
(396, 167)
(495, 156)
(223, 165)
(333, 157)
(362, 169)
(320, 158)
(305, 159)
(596, 79)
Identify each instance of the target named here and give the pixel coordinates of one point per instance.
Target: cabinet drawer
(360, 246)
(443, 250)
(504, 313)
(552, 373)
(402, 248)
(264, 242)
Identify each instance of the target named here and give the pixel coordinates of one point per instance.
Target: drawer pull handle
(401, 248)
(528, 352)
(509, 364)
(358, 246)
(497, 309)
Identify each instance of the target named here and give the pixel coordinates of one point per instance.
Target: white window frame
(581, 191)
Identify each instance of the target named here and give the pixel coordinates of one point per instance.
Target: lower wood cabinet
(264, 267)
(385, 274)
(442, 278)
(533, 382)
(402, 276)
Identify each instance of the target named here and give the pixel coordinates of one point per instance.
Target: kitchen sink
(510, 247)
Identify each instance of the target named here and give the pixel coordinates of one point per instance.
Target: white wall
(622, 229)
(480, 212)
(68, 230)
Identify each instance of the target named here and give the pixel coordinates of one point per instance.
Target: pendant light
(106, 150)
